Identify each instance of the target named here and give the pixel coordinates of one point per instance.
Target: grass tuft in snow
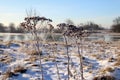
(108, 77)
(8, 74)
(20, 69)
(6, 59)
(107, 69)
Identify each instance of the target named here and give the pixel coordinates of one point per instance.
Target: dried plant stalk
(30, 26)
(68, 67)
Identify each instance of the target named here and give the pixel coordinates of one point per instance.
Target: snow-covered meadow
(19, 61)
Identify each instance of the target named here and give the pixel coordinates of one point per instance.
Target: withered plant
(78, 34)
(63, 26)
(53, 47)
(30, 24)
(55, 52)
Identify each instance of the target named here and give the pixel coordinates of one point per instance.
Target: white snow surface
(96, 58)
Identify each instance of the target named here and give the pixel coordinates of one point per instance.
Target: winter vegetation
(44, 58)
(10, 29)
(67, 40)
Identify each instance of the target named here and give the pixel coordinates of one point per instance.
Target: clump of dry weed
(33, 52)
(31, 58)
(111, 59)
(108, 77)
(6, 59)
(106, 70)
(20, 69)
(117, 61)
(8, 74)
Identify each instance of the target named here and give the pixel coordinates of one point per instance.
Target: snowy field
(19, 61)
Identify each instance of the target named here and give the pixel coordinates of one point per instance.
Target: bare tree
(116, 26)
(69, 21)
(2, 28)
(116, 20)
(12, 27)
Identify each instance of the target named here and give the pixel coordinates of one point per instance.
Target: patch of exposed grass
(117, 64)
(20, 69)
(108, 77)
(111, 59)
(34, 65)
(31, 59)
(33, 52)
(8, 74)
(6, 59)
(107, 69)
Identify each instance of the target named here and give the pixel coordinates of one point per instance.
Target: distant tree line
(87, 26)
(10, 29)
(91, 26)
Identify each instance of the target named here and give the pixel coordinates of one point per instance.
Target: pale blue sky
(80, 11)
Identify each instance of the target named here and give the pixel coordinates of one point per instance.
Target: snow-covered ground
(99, 58)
